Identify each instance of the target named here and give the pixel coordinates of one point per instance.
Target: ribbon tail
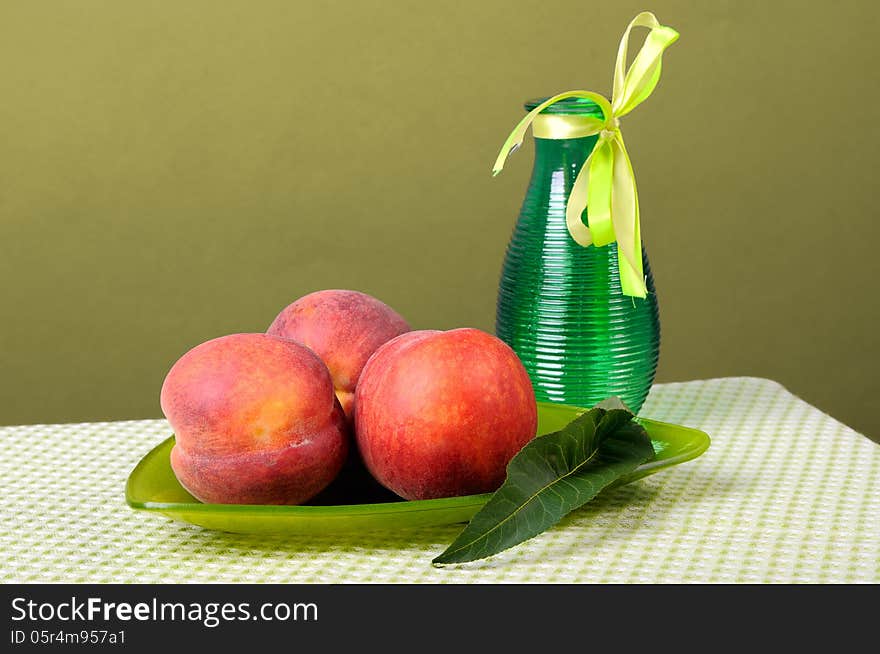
(632, 279)
(513, 143)
(599, 194)
(625, 216)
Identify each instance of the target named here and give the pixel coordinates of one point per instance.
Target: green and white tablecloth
(785, 494)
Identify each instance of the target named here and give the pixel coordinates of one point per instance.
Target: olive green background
(175, 171)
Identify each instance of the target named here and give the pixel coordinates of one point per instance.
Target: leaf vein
(535, 495)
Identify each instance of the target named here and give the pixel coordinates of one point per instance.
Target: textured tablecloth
(784, 494)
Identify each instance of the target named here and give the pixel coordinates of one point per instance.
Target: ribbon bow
(606, 183)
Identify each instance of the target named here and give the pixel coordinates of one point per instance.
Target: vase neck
(553, 156)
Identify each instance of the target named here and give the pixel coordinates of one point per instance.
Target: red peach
(343, 328)
(441, 414)
(255, 421)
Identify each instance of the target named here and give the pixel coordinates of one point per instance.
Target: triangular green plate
(355, 503)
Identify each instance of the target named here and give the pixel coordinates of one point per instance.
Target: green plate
(355, 503)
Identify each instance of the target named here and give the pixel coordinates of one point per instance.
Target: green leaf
(550, 477)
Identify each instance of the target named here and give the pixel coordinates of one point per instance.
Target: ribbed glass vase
(560, 305)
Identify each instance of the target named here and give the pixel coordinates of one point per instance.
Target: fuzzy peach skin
(441, 413)
(255, 421)
(344, 328)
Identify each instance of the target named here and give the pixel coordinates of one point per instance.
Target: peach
(255, 421)
(441, 413)
(343, 328)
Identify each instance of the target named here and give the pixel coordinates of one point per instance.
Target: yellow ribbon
(606, 182)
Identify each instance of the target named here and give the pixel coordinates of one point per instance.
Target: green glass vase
(560, 305)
